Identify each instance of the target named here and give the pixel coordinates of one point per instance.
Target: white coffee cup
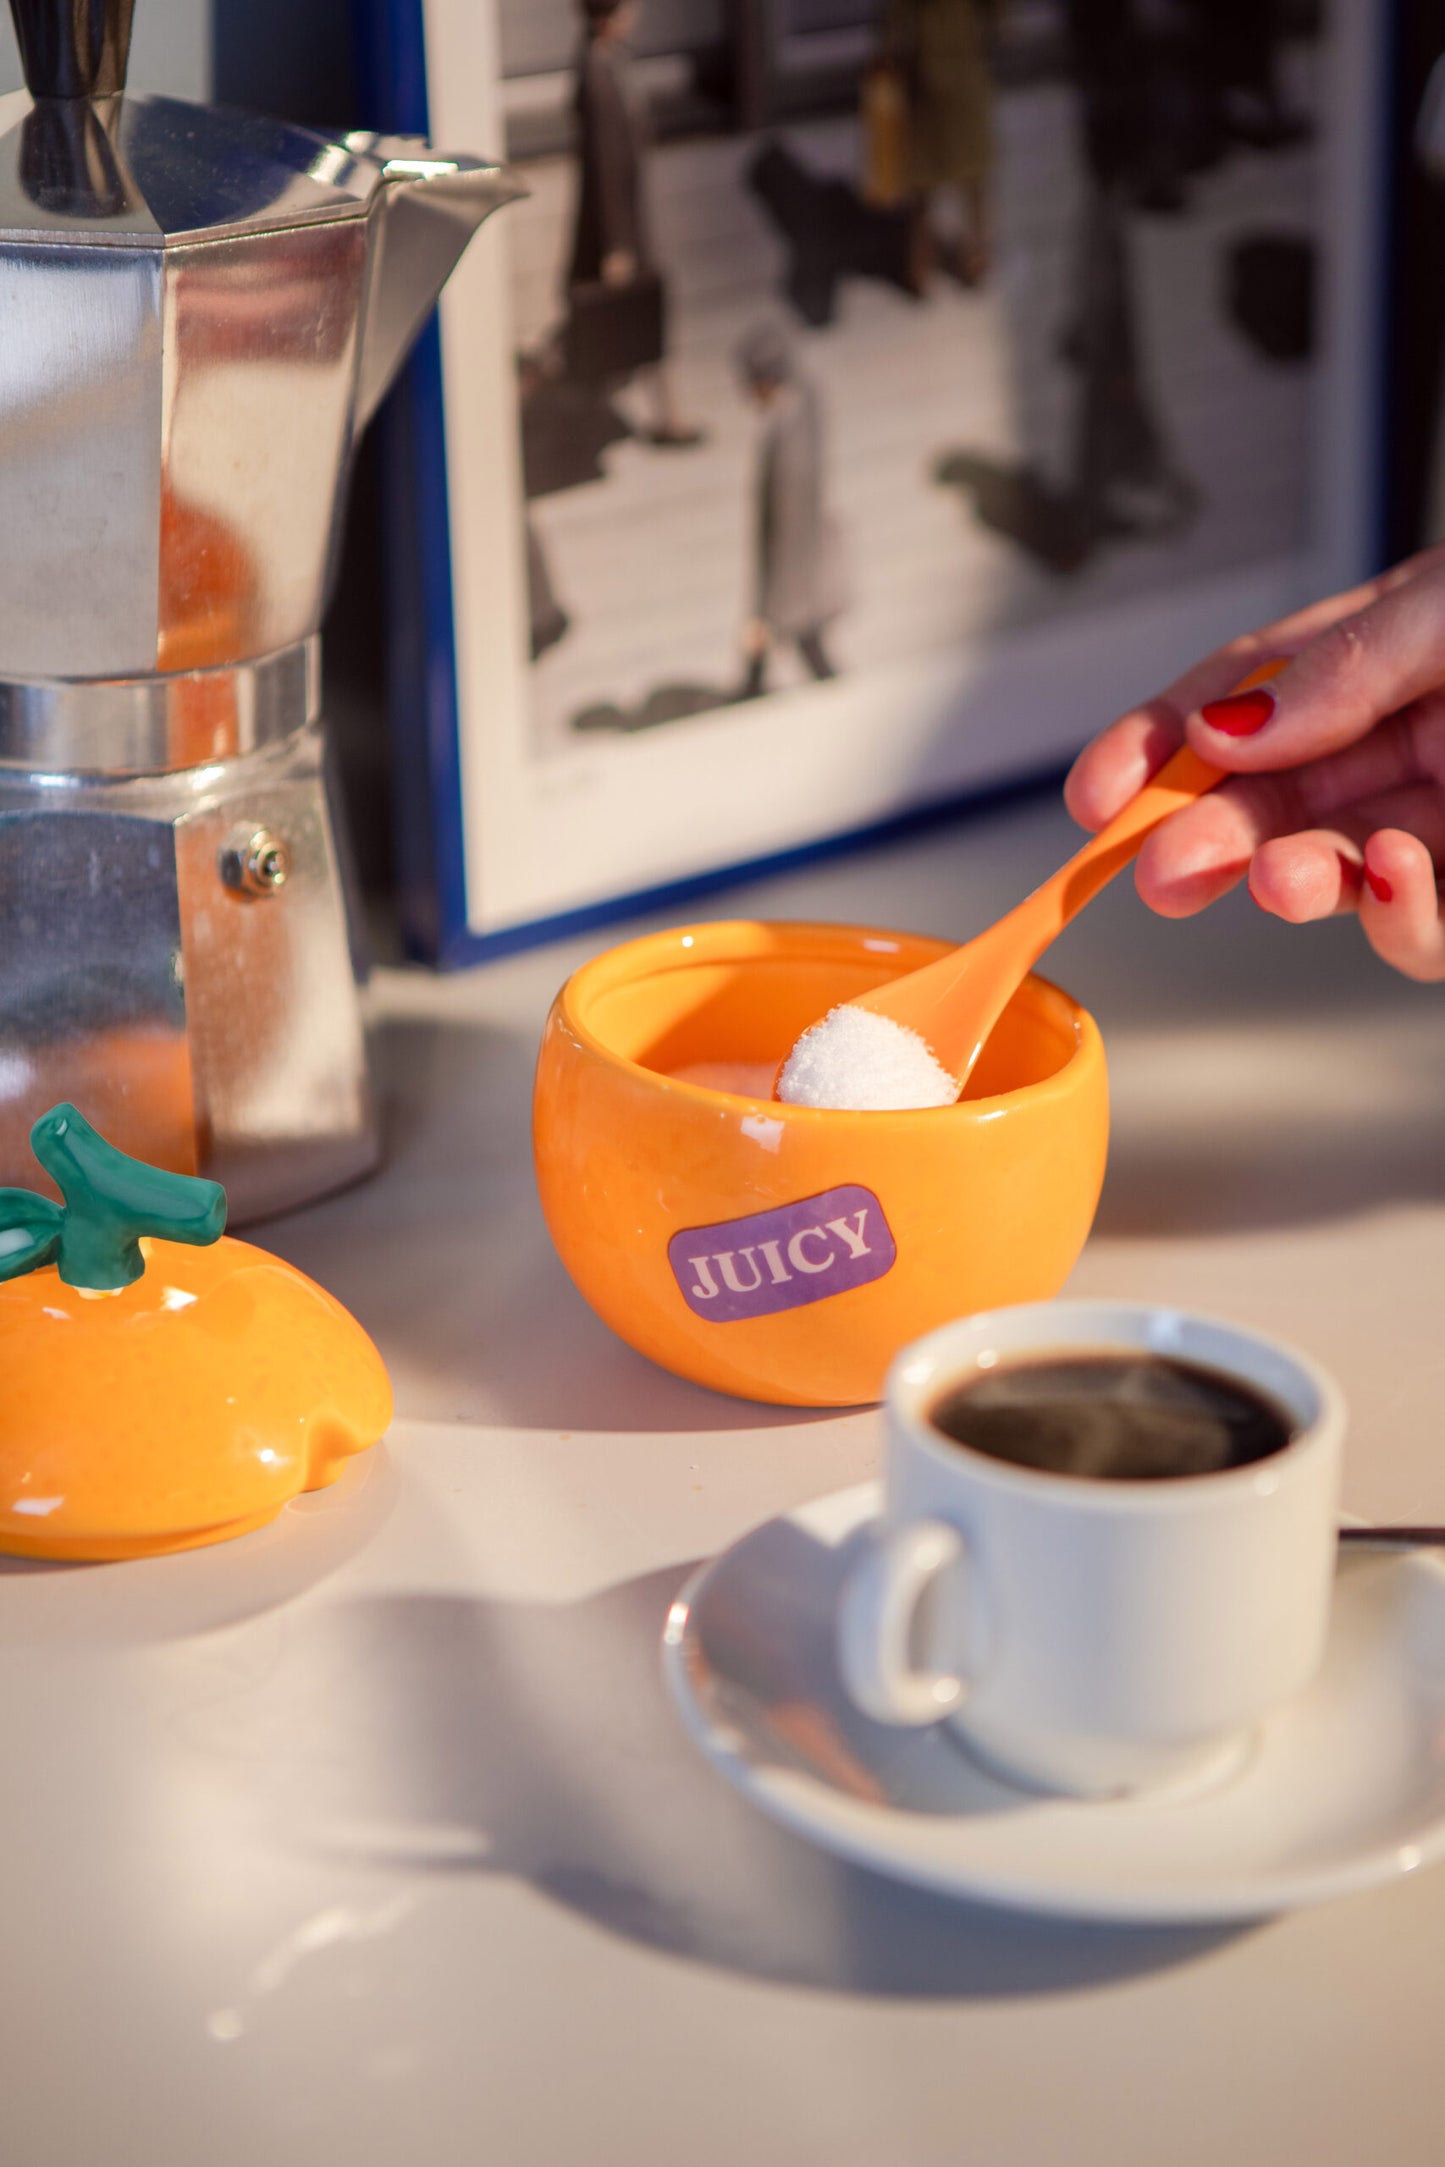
(1084, 1636)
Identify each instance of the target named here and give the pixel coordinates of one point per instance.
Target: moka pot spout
(422, 220)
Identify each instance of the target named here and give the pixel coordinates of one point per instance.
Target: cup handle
(875, 1622)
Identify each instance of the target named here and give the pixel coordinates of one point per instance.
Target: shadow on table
(446, 1260)
(135, 1602)
(1257, 1175)
(1263, 1075)
(443, 1735)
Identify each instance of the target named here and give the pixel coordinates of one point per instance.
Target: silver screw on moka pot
(201, 310)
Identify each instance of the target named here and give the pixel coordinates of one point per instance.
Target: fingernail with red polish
(1241, 714)
(1380, 888)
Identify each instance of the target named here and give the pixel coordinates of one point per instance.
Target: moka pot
(199, 311)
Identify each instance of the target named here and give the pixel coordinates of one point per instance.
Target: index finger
(1117, 764)
(1358, 668)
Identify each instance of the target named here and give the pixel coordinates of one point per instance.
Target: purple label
(781, 1259)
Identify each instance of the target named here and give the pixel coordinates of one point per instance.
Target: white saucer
(1343, 1790)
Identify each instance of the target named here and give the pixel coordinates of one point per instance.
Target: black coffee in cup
(1123, 1417)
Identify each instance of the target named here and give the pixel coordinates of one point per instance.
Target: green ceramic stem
(110, 1202)
(29, 1231)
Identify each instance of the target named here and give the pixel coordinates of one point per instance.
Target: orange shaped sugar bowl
(164, 1386)
(787, 1252)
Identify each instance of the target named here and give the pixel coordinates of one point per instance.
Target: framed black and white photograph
(868, 398)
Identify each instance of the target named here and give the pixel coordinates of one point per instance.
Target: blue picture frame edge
(421, 691)
(428, 825)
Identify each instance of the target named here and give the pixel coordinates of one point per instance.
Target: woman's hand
(1337, 800)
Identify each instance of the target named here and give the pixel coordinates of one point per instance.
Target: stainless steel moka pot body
(198, 313)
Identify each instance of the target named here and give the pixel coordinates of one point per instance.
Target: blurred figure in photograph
(1124, 479)
(1144, 103)
(1242, 40)
(1170, 85)
(1120, 480)
(940, 49)
(612, 244)
(799, 584)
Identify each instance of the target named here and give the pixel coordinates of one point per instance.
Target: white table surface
(371, 1838)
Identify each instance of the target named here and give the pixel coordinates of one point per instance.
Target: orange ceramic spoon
(953, 1004)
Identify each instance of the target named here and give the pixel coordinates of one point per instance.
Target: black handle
(73, 48)
(68, 163)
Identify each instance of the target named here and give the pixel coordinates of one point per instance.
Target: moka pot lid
(83, 164)
(145, 172)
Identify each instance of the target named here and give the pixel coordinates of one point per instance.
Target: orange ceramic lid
(185, 1405)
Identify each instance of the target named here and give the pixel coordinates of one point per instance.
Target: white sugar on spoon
(860, 1062)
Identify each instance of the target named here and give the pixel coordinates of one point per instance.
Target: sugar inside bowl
(784, 1252)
